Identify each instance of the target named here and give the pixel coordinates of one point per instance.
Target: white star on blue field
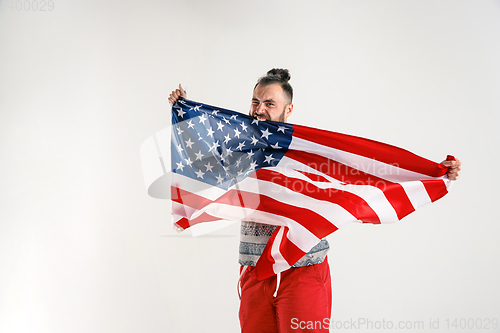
(222, 147)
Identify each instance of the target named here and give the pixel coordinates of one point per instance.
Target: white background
(83, 248)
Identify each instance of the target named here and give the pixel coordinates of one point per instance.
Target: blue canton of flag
(221, 147)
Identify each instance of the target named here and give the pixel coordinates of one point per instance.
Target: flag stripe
(279, 251)
(417, 193)
(195, 186)
(396, 195)
(202, 218)
(189, 199)
(435, 188)
(385, 153)
(393, 191)
(265, 210)
(372, 195)
(313, 221)
(337, 170)
(354, 204)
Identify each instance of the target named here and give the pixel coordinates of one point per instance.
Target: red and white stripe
(325, 181)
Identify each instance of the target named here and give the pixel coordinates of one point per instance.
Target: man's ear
(288, 110)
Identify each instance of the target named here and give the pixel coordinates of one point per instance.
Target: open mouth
(260, 118)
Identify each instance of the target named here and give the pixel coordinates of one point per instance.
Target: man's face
(270, 103)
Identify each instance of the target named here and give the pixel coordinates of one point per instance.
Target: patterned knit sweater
(253, 240)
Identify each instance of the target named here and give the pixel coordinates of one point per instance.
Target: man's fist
(174, 95)
(453, 169)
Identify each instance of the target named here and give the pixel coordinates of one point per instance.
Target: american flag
(309, 182)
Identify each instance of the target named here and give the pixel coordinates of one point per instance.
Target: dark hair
(278, 75)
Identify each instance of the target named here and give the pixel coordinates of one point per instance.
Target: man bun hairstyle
(283, 74)
(280, 76)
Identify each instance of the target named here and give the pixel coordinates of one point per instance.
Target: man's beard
(282, 116)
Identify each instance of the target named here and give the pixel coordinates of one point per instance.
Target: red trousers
(303, 302)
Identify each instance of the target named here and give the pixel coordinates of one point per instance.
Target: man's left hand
(454, 168)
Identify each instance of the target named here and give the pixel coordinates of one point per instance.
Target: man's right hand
(174, 95)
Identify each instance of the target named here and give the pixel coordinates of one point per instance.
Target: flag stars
(241, 145)
(275, 146)
(209, 167)
(181, 113)
(269, 158)
(220, 126)
(189, 143)
(202, 119)
(253, 165)
(199, 155)
(226, 139)
(235, 145)
(215, 146)
(199, 174)
(266, 133)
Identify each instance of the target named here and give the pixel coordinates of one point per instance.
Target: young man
(300, 299)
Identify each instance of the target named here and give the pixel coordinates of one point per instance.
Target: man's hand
(174, 95)
(453, 169)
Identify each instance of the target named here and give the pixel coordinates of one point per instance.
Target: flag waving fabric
(309, 182)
